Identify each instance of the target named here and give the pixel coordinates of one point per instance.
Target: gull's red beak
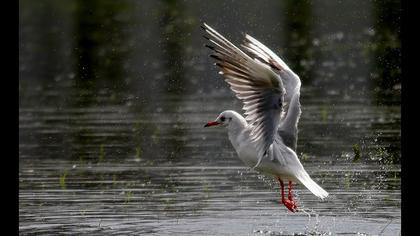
(211, 123)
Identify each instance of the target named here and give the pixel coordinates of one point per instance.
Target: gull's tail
(306, 180)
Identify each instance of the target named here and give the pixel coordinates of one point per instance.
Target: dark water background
(113, 96)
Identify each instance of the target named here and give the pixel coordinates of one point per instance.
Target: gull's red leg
(290, 196)
(287, 202)
(282, 189)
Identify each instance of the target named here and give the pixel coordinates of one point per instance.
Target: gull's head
(224, 119)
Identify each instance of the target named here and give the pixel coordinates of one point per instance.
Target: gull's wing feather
(291, 106)
(256, 84)
(265, 55)
(288, 126)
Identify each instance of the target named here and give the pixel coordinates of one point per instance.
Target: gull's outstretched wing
(262, 53)
(288, 124)
(256, 84)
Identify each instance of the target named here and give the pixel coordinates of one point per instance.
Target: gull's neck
(236, 128)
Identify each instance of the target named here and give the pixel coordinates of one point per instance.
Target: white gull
(266, 138)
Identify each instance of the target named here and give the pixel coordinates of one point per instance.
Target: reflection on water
(113, 97)
(386, 49)
(175, 27)
(298, 38)
(100, 40)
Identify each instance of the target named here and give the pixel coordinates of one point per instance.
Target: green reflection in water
(100, 52)
(100, 39)
(175, 27)
(299, 37)
(386, 50)
(62, 180)
(356, 151)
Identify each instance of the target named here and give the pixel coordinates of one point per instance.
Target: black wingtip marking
(209, 46)
(206, 37)
(215, 57)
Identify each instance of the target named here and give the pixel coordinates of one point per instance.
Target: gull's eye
(222, 119)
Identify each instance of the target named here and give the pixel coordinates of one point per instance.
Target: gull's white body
(284, 163)
(266, 138)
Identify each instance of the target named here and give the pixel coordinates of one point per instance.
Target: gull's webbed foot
(291, 205)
